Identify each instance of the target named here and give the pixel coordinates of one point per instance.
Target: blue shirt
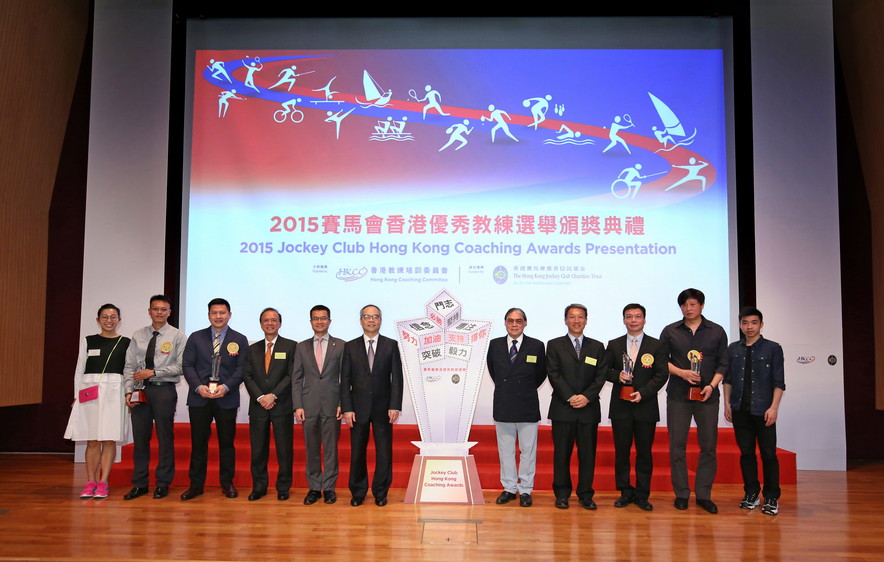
(768, 373)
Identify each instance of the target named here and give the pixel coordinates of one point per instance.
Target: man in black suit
(517, 365)
(316, 392)
(371, 397)
(576, 367)
(635, 417)
(268, 379)
(207, 400)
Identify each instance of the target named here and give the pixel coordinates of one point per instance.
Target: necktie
(633, 351)
(513, 352)
(151, 351)
(319, 354)
(370, 354)
(577, 346)
(267, 355)
(216, 344)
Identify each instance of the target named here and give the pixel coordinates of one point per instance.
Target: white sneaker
(770, 506)
(750, 501)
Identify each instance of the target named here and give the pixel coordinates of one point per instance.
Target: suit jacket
(570, 374)
(647, 379)
(516, 382)
(318, 392)
(197, 366)
(277, 380)
(371, 392)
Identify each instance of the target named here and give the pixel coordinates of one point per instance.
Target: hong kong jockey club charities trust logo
(500, 275)
(347, 274)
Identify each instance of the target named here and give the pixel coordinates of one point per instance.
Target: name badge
(591, 361)
(531, 359)
(93, 352)
(279, 354)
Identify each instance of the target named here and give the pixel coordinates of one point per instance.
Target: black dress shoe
(708, 505)
(644, 504)
(525, 500)
(681, 503)
(562, 503)
(330, 496)
(505, 497)
(161, 492)
(312, 497)
(381, 501)
(191, 493)
(356, 501)
(622, 501)
(588, 504)
(135, 492)
(254, 496)
(282, 495)
(229, 491)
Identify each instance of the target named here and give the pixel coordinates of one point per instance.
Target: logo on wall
(347, 274)
(500, 275)
(805, 359)
(832, 360)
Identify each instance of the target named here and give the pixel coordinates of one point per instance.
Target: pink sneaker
(101, 490)
(88, 490)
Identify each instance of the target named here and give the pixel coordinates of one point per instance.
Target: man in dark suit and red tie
(517, 364)
(576, 367)
(208, 400)
(268, 379)
(371, 398)
(634, 412)
(316, 390)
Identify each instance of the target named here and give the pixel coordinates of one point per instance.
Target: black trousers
(749, 430)
(383, 469)
(160, 411)
(626, 431)
(259, 438)
(200, 428)
(565, 435)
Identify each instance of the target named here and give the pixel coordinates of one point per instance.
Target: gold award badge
(166, 347)
(647, 360)
(694, 355)
(233, 348)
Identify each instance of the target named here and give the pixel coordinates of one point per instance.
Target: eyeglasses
(111, 317)
(371, 316)
(514, 321)
(320, 318)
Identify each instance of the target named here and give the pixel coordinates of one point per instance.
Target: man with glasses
(316, 388)
(371, 398)
(517, 365)
(154, 359)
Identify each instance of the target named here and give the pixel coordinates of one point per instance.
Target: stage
(826, 515)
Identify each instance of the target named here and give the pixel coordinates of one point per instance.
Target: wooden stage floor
(826, 516)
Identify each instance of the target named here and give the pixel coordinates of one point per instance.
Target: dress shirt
(375, 338)
(167, 364)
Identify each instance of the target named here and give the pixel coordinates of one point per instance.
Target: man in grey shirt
(154, 358)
